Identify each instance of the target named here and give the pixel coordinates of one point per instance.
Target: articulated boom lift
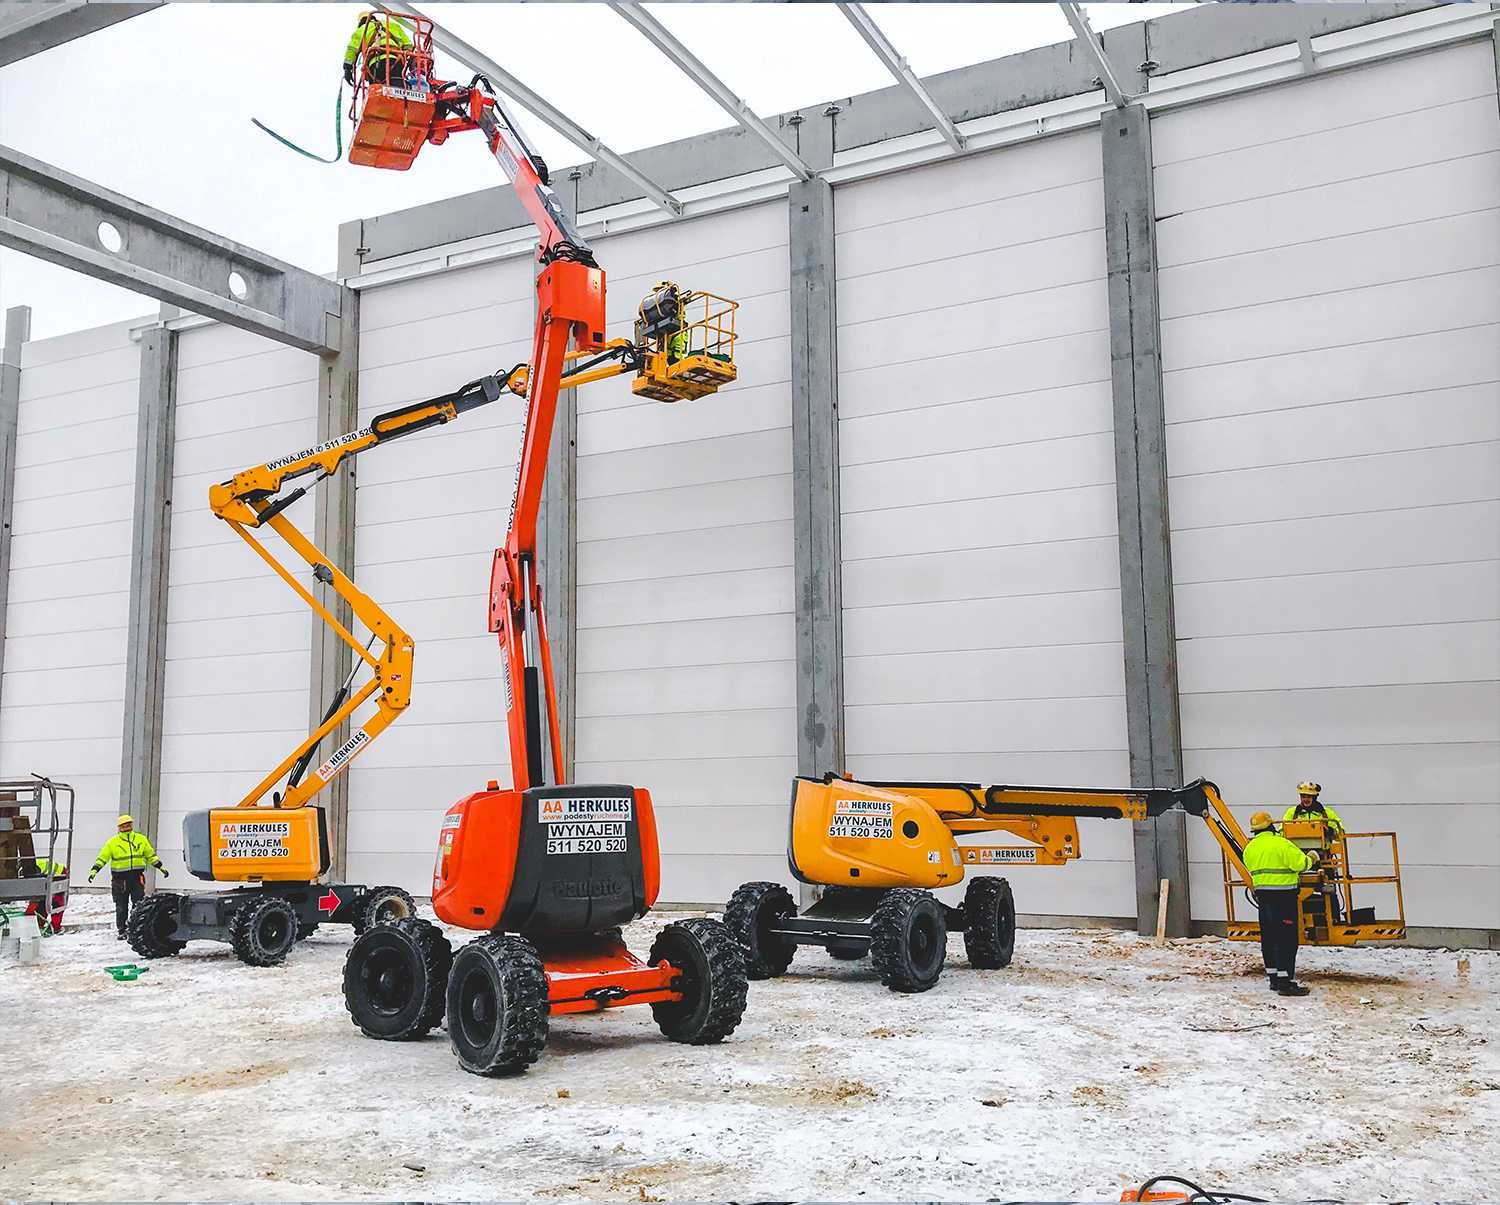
(548, 870)
(878, 849)
(283, 849)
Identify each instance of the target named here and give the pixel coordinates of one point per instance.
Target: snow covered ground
(1094, 1061)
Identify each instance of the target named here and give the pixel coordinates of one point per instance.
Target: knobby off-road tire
(441, 951)
(263, 931)
(395, 977)
(911, 940)
(380, 906)
(497, 1005)
(152, 926)
(713, 982)
(753, 910)
(989, 923)
(305, 929)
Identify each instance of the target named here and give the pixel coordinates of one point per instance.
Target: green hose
(338, 132)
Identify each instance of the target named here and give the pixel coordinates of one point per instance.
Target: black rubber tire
(395, 977)
(849, 953)
(263, 931)
(749, 915)
(713, 982)
(381, 905)
(441, 952)
(911, 940)
(497, 1005)
(305, 929)
(152, 923)
(989, 923)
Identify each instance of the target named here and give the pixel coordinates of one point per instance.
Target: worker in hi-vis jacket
(127, 854)
(1276, 867)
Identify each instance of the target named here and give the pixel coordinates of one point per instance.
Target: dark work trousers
(1278, 930)
(384, 69)
(128, 887)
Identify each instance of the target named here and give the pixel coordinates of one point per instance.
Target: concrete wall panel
(1331, 325)
(980, 570)
(62, 697)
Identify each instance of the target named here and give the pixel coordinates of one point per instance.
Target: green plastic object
(338, 132)
(125, 972)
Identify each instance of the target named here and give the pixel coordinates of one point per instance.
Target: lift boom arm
(570, 309)
(253, 499)
(400, 110)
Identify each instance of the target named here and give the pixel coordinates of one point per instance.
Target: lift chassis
(262, 923)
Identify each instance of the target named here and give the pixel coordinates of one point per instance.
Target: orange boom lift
(548, 870)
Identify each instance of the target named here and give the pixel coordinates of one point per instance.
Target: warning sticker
(587, 825)
(991, 856)
(865, 818)
(254, 839)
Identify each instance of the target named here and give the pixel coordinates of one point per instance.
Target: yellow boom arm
(253, 499)
(894, 834)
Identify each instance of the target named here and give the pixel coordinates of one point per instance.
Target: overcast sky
(158, 107)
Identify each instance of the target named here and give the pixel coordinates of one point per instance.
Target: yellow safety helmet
(122, 821)
(1261, 821)
(1309, 788)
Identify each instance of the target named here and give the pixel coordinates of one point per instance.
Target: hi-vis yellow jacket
(377, 33)
(126, 851)
(1273, 861)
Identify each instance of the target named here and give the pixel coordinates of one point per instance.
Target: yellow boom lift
(683, 348)
(878, 849)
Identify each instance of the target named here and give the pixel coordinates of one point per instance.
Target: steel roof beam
(1084, 32)
(30, 28)
(476, 60)
(64, 219)
(898, 66)
(690, 65)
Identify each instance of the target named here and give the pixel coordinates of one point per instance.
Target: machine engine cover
(550, 862)
(852, 834)
(242, 845)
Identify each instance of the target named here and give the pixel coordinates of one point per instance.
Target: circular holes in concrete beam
(238, 289)
(110, 238)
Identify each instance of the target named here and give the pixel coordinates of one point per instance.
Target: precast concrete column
(1151, 702)
(333, 532)
(815, 459)
(150, 552)
(17, 332)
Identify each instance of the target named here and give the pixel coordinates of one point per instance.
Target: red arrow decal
(329, 903)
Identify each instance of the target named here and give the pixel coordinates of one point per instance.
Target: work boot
(1290, 987)
(1274, 980)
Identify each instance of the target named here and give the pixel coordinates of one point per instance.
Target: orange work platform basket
(394, 102)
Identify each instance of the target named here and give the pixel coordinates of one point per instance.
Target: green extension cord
(338, 132)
